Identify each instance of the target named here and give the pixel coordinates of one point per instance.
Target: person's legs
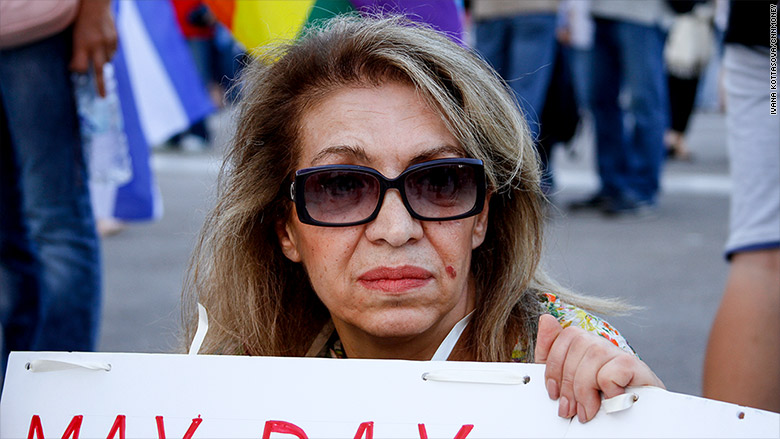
(530, 62)
(682, 95)
(43, 127)
(231, 60)
(20, 288)
(530, 58)
(228, 55)
(200, 49)
(742, 364)
(522, 50)
(490, 42)
(202, 53)
(641, 49)
(581, 72)
(607, 115)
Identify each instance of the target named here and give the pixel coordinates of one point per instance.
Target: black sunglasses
(348, 195)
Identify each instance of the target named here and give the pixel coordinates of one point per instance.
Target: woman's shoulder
(570, 315)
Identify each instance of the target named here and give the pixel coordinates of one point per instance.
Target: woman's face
(396, 285)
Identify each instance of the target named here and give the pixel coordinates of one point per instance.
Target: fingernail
(552, 389)
(581, 415)
(563, 407)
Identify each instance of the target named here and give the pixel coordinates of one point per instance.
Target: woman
(381, 188)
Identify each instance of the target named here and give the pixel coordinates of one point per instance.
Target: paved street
(670, 263)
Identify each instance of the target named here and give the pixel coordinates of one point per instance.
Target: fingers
(548, 331)
(111, 44)
(623, 371)
(581, 367)
(98, 59)
(95, 55)
(81, 61)
(562, 364)
(94, 40)
(574, 362)
(589, 382)
(546, 335)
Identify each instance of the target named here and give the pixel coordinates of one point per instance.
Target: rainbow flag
(256, 23)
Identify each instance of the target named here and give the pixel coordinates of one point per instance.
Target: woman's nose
(394, 224)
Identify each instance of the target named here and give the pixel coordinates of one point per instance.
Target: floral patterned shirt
(567, 315)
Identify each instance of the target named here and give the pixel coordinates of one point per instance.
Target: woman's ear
(480, 225)
(287, 240)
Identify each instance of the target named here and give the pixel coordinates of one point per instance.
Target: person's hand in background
(94, 39)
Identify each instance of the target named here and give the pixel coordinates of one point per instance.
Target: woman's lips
(395, 280)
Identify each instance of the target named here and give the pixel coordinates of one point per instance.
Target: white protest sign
(104, 395)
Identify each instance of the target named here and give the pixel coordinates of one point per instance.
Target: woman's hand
(94, 39)
(581, 366)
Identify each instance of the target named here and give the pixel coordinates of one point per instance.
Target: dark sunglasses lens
(442, 191)
(341, 196)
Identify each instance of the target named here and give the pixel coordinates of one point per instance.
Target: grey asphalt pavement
(669, 263)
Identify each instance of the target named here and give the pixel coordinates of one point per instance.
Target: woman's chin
(398, 323)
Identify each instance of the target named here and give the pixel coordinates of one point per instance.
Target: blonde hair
(259, 302)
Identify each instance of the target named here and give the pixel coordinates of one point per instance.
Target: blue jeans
(521, 49)
(49, 250)
(580, 75)
(629, 144)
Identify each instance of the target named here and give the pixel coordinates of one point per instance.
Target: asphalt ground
(669, 263)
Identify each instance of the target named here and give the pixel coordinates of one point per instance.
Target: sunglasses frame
(386, 183)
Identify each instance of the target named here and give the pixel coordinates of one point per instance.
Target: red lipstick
(395, 280)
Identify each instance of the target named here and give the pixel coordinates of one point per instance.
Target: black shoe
(595, 202)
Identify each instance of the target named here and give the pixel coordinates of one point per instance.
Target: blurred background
(668, 260)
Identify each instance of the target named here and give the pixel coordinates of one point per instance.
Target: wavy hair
(261, 303)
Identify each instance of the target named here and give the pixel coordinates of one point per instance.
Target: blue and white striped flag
(160, 93)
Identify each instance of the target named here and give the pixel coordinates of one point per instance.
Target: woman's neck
(360, 344)
(401, 348)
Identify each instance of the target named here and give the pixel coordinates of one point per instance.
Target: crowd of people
(405, 204)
